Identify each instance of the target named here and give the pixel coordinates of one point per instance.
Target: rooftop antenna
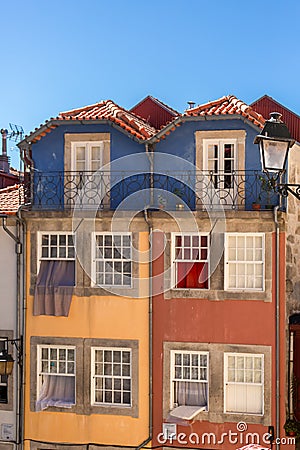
(15, 133)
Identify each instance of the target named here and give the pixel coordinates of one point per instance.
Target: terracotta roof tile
(11, 198)
(108, 110)
(227, 105)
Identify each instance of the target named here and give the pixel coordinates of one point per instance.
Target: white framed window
(3, 378)
(88, 156)
(56, 246)
(189, 379)
(56, 259)
(220, 157)
(220, 163)
(244, 261)
(56, 375)
(56, 276)
(111, 260)
(111, 376)
(190, 260)
(244, 385)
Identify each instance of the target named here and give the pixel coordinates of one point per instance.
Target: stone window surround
(83, 377)
(238, 135)
(9, 334)
(216, 380)
(84, 137)
(216, 290)
(71, 138)
(83, 285)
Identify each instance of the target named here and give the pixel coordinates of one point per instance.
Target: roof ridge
(76, 110)
(210, 103)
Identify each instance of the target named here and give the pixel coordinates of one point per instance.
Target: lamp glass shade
(274, 154)
(6, 364)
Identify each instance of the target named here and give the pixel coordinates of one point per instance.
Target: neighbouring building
(8, 175)
(87, 311)
(265, 105)
(153, 286)
(11, 331)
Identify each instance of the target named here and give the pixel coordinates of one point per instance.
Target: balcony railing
(195, 190)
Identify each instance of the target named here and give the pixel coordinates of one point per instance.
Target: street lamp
(6, 363)
(6, 360)
(274, 143)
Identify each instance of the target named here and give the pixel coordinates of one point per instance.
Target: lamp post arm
(284, 189)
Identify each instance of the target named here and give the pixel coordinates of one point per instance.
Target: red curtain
(192, 275)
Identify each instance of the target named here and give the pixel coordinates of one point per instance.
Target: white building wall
(8, 296)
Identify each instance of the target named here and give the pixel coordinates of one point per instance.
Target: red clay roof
(227, 105)
(11, 198)
(104, 110)
(266, 104)
(138, 127)
(108, 110)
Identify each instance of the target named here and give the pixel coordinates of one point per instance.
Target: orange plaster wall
(108, 317)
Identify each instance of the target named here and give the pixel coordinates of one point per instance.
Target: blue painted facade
(130, 168)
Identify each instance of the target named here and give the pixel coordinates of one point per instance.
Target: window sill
(214, 294)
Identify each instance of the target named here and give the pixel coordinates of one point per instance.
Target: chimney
(4, 159)
(191, 104)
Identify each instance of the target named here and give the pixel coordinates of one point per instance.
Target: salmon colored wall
(226, 322)
(94, 317)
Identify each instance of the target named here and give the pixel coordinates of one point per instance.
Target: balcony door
(220, 163)
(89, 180)
(87, 156)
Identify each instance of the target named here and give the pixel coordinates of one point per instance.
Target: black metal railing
(110, 190)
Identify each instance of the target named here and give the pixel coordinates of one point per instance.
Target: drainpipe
(277, 325)
(21, 331)
(19, 322)
(150, 155)
(29, 165)
(150, 311)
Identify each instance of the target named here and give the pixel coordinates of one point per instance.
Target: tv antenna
(15, 133)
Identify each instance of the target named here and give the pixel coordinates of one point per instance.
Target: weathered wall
(293, 237)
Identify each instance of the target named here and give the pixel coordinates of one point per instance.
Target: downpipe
(21, 323)
(150, 311)
(277, 326)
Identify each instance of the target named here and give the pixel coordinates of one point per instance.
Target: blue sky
(62, 54)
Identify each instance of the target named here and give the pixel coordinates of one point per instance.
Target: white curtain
(190, 394)
(56, 391)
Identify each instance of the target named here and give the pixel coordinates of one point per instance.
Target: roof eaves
(57, 122)
(171, 126)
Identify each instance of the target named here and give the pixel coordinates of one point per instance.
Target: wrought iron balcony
(196, 190)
